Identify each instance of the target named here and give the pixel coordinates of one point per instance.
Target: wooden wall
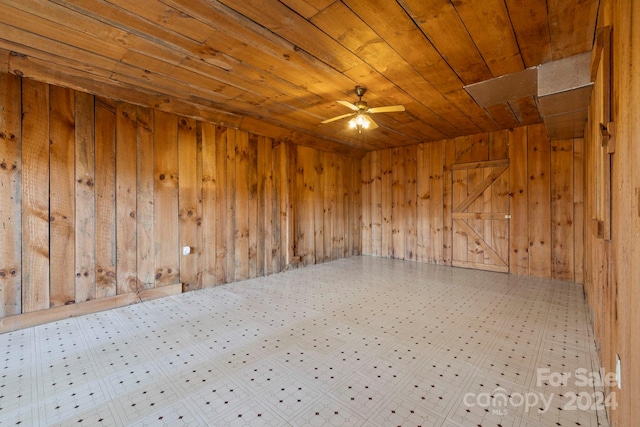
(612, 202)
(407, 200)
(98, 198)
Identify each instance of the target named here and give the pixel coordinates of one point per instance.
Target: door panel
(481, 215)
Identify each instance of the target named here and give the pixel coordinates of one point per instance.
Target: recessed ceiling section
(562, 90)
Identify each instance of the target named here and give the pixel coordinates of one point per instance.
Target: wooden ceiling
(277, 67)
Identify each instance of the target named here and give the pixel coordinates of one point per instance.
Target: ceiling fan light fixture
(360, 121)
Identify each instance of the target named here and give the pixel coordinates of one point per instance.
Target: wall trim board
(54, 314)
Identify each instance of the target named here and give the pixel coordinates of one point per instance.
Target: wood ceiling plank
(295, 29)
(391, 22)
(531, 26)
(167, 17)
(526, 111)
(441, 24)
(488, 23)
(307, 9)
(572, 26)
(31, 23)
(503, 115)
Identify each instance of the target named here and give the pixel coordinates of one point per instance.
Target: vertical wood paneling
(398, 231)
(242, 206)
(126, 200)
(188, 199)
(376, 204)
(276, 208)
(366, 204)
(35, 196)
(338, 214)
(499, 144)
(10, 195)
(145, 232)
(105, 198)
(386, 204)
(85, 214)
(292, 203)
(210, 201)
(447, 205)
(329, 210)
(166, 199)
(423, 189)
(62, 196)
(410, 180)
(578, 209)
(263, 221)
(538, 167)
(562, 241)
(356, 212)
(224, 178)
(436, 205)
(319, 207)
(230, 216)
(519, 222)
(252, 213)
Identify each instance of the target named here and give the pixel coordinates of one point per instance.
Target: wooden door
(481, 215)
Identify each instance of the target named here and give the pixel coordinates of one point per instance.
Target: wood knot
(132, 214)
(162, 177)
(158, 275)
(125, 114)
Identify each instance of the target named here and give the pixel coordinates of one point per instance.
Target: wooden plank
(166, 206)
(482, 266)
(356, 210)
(436, 207)
(145, 205)
(531, 27)
(499, 145)
(447, 205)
(539, 171)
(319, 206)
(500, 202)
(126, 199)
(397, 203)
(230, 215)
(188, 195)
(578, 210)
(338, 212)
(460, 241)
(85, 214)
(210, 203)
(253, 213)
(386, 204)
(10, 195)
(479, 241)
(275, 201)
(423, 189)
(366, 205)
(242, 206)
(290, 164)
(200, 248)
(476, 185)
(13, 323)
(304, 205)
(329, 190)
(472, 148)
(519, 206)
(479, 187)
(35, 196)
(61, 196)
(487, 216)
(562, 231)
(263, 232)
(224, 173)
(487, 22)
(410, 196)
(376, 203)
(480, 164)
(105, 198)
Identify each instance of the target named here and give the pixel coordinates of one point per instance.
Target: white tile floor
(362, 341)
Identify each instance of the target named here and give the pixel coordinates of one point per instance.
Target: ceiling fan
(361, 119)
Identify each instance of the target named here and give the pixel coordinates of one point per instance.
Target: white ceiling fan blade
(372, 124)
(387, 109)
(348, 105)
(333, 119)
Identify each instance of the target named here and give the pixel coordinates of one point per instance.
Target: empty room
(319, 213)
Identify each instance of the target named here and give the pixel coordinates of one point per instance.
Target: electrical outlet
(186, 250)
(618, 371)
